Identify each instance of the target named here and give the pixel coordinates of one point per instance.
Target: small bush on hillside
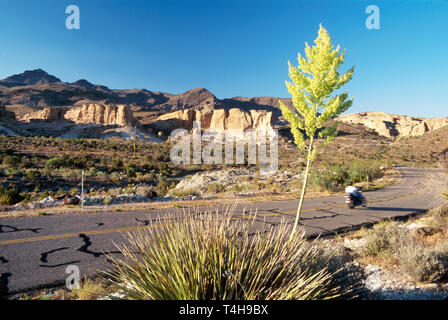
(131, 170)
(33, 175)
(383, 239)
(180, 193)
(439, 217)
(216, 187)
(12, 161)
(334, 177)
(55, 163)
(10, 196)
(163, 186)
(423, 264)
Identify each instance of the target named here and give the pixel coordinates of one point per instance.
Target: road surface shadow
(88, 243)
(44, 259)
(14, 229)
(396, 209)
(4, 282)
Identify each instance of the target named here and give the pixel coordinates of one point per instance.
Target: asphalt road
(35, 251)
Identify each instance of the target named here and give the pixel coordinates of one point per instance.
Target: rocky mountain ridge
(37, 90)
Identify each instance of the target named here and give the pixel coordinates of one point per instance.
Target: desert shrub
(324, 180)
(361, 171)
(216, 187)
(11, 161)
(334, 177)
(33, 175)
(383, 239)
(439, 217)
(26, 163)
(147, 178)
(423, 264)
(73, 191)
(180, 193)
(55, 163)
(117, 164)
(147, 191)
(114, 191)
(10, 196)
(262, 185)
(163, 186)
(77, 163)
(45, 194)
(131, 170)
(213, 257)
(241, 187)
(129, 189)
(70, 173)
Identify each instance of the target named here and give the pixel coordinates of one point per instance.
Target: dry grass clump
(422, 259)
(212, 256)
(439, 217)
(424, 264)
(382, 239)
(90, 290)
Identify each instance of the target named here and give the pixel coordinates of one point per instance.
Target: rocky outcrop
(178, 119)
(47, 114)
(90, 113)
(104, 114)
(391, 125)
(218, 119)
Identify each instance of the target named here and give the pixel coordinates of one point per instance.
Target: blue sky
(234, 48)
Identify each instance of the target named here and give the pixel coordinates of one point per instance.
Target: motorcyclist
(352, 190)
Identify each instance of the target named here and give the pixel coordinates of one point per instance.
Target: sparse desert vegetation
(35, 168)
(412, 254)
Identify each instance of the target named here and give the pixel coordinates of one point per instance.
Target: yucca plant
(214, 256)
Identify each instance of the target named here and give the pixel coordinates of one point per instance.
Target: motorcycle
(353, 201)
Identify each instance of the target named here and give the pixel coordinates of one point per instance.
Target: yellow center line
(135, 228)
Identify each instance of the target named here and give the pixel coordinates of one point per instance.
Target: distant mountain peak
(84, 83)
(29, 77)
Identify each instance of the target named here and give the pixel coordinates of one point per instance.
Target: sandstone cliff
(217, 119)
(47, 114)
(101, 114)
(90, 113)
(391, 125)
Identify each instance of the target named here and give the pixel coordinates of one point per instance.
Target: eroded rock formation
(105, 114)
(391, 125)
(47, 114)
(218, 119)
(90, 113)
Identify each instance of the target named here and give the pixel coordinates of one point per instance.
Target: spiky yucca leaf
(214, 256)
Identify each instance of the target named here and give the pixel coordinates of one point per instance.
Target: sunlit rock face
(105, 114)
(391, 125)
(218, 119)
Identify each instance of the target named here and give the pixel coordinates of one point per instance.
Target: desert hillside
(35, 90)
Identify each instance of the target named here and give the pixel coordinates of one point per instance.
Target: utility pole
(135, 140)
(82, 190)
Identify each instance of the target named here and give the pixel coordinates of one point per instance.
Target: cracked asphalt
(35, 251)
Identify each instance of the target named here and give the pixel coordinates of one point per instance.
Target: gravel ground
(391, 285)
